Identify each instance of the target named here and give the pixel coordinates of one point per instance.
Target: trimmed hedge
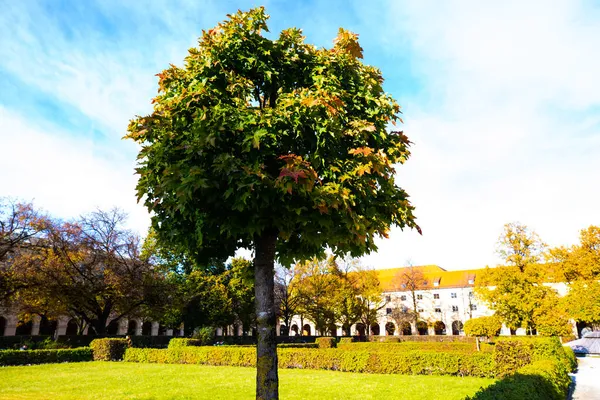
(424, 338)
(411, 362)
(540, 380)
(346, 340)
(450, 347)
(326, 342)
(16, 342)
(109, 349)
(297, 346)
(26, 357)
(183, 342)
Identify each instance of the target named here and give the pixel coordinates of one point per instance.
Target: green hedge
(346, 340)
(25, 357)
(513, 353)
(109, 349)
(450, 347)
(411, 362)
(326, 342)
(183, 342)
(297, 346)
(540, 380)
(424, 338)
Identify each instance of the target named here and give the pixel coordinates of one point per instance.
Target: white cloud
(65, 176)
(504, 129)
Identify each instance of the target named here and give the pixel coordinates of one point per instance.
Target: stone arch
(283, 330)
(306, 330)
(295, 330)
(439, 328)
(162, 330)
(24, 328)
(2, 325)
(390, 329)
(147, 328)
(47, 327)
(375, 330)
(422, 328)
(72, 327)
(360, 329)
(406, 329)
(132, 326)
(332, 329)
(457, 326)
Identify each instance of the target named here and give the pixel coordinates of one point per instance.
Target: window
(388, 311)
(403, 286)
(454, 308)
(471, 281)
(419, 310)
(437, 310)
(403, 298)
(453, 295)
(473, 307)
(424, 283)
(419, 297)
(388, 299)
(436, 296)
(470, 294)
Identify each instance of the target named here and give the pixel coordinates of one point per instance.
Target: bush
(206, 335)
(298, 346)
(183, 342)
(512, 353)
(411, 362)
(346, 340)
(326, 342)
(109, 349)
(16, 342)
(25, 357)
(450, 347)
(540, 380)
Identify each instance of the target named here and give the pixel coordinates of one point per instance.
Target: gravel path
(587, 379)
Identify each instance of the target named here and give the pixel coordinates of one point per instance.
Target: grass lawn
(104, 380)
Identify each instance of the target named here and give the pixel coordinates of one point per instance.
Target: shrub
(326, 342)
(512, 353)
(206, 335)
(298, 346)
(109, 349)
(346, 340)
(540, 380)
(450, 347)
(25, 357)
(183, 342)
(412, 362)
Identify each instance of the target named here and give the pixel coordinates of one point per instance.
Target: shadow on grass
(521, 386)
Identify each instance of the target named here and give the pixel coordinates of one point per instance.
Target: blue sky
(501, 100)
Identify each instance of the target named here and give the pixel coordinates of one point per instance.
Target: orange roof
(388, 278)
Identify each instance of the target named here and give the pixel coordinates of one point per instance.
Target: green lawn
(103, 380)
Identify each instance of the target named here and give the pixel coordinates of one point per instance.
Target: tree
(369, 296)
(274, 145)
(20, 225)
(411, 279)
(286, 298)
(515, 291)
(483, 327)
(91, 269)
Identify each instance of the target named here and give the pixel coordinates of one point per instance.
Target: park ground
(104, 380)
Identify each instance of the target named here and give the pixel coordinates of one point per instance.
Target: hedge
(297, 346)
(326, 342)
(410, 362)
(513, 353)
(183, 342)
(25, 357)
(540, 380)
(109, 349)
(451, 347)
(424, 338)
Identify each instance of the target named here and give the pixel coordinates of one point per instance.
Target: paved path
(587, 379)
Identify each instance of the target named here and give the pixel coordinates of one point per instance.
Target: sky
(500, 99)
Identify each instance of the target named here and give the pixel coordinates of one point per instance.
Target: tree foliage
(483, 326)
(410, 280)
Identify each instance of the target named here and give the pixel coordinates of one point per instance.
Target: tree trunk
(267, 381)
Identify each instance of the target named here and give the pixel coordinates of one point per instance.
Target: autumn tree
(515, 291)
(348, 303)
(411, 280)
(370, 297)
(483, 327)
(21, 225)
(275, 145)
(90, 268)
